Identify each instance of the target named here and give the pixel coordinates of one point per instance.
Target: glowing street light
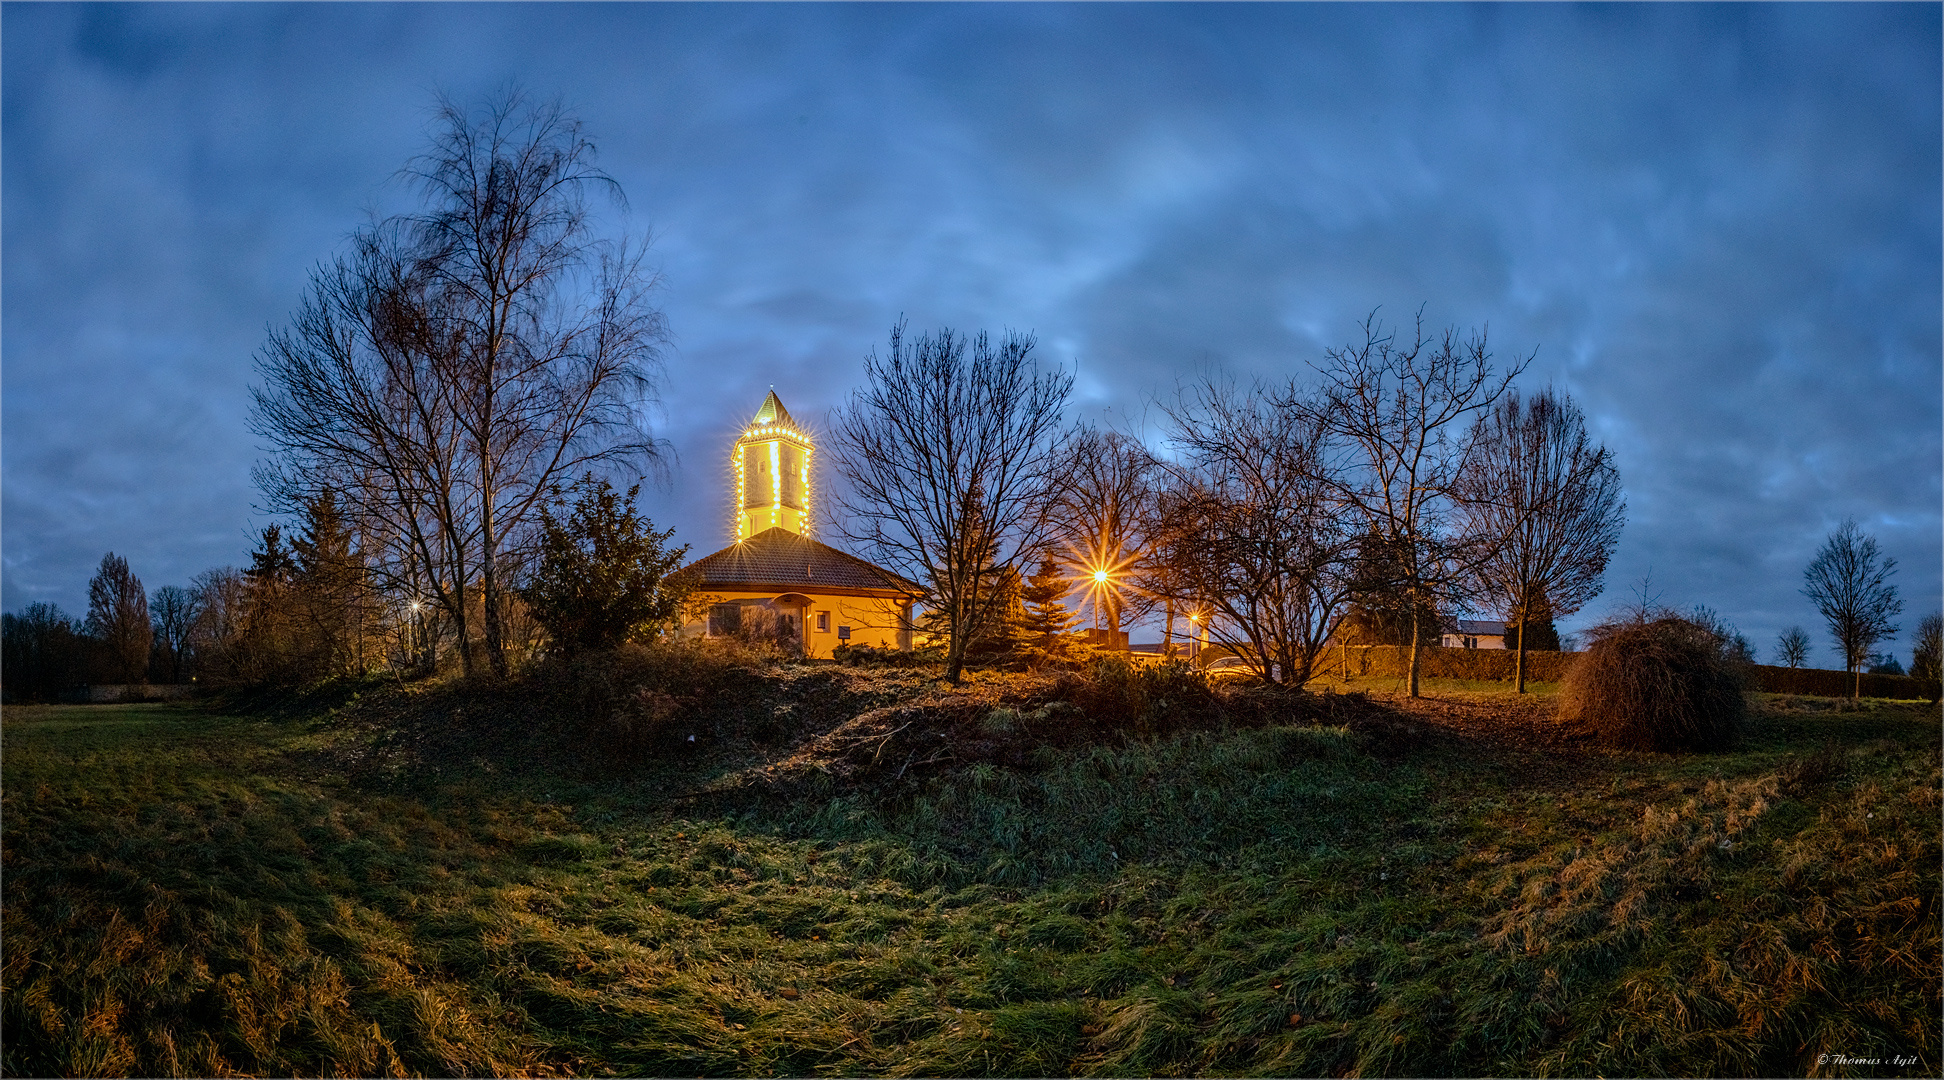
(1100, 576)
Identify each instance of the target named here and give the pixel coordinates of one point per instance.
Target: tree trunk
(489, 574)
(495, 649)
(459, 625)
(1519, 665)
(1415, 630)
(955, 657)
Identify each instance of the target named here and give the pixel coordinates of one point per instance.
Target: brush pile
(1665, 684)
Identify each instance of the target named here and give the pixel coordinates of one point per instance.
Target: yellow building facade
(776, 579)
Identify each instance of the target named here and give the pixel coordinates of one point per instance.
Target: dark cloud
(1718, 226)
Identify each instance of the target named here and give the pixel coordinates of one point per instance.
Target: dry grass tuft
(1663, 685)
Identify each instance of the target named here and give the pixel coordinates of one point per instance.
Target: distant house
(1473, 634)
(775, 577)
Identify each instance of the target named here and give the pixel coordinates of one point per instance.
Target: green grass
(192, 893)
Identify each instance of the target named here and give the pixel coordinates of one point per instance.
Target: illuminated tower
(772, 461)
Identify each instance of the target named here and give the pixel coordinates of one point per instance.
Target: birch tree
(461, 360)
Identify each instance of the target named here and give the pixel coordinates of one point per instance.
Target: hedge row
(1394, 662)
(1820, 683)
(1496, 665)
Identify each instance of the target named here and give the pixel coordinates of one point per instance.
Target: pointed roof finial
(773, 412)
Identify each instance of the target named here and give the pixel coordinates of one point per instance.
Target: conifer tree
(264, 646)
(1005, 633)
(1046, 617)
(332, 598)
(604, 574)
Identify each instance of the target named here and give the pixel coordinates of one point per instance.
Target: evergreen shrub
(865, 654)
(1151, 699)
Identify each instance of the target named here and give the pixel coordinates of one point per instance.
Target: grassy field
(195, 893)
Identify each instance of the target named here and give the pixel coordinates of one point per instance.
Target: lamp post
(1105, 591)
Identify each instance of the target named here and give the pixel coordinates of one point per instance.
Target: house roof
(778, 558)
(1484, 627)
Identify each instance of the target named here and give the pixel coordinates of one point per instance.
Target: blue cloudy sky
(1718, 226)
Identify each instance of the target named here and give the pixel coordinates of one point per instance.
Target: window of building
(823, 622)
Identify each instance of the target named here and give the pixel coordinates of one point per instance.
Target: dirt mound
(792, 728)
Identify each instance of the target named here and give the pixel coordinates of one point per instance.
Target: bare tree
(359, 399)
(1792, 647)
(42, 652)
(173, 614)
(1105, 501)
(118, 617)
(1400, 410)
(1546, 503)
(1849, 580)
(950, 464)
(1251, 529)
(443, 376)
(1929, 651)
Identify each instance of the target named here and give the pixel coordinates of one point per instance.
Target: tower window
(790, 482)
(757, 477)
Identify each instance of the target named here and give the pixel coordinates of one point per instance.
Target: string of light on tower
(772, 462)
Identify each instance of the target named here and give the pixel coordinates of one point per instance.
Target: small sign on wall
(843, 633)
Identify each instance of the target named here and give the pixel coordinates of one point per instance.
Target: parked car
(1228, 667)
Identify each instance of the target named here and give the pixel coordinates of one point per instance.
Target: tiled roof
(1485, 627)
(773, 412)
(779, 558)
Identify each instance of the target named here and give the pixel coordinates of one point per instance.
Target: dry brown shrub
(1664, 684)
